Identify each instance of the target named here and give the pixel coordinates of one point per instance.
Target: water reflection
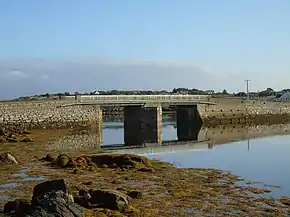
(113, 133)
(260, 159)
(120, 118)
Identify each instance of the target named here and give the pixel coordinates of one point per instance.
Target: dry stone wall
(223, 114)
(48, 115)
(245, 112)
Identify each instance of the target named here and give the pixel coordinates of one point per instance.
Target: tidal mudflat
(163, 189)
(196, 187)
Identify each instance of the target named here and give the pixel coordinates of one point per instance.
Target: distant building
(209, 92)
(285, 97)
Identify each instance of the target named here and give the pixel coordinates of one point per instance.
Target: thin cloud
(18, 74)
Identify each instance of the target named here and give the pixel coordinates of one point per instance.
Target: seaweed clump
(14, 135)
(112, 161)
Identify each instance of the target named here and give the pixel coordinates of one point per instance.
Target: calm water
(264, 159)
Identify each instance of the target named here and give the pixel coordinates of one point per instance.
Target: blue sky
(210, 44)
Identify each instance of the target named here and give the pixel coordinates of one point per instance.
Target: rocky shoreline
(131, 185)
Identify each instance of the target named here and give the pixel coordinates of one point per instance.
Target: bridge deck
(126, 100)
(129, 98)
(139, 103)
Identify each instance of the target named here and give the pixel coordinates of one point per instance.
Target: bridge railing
(157, 98)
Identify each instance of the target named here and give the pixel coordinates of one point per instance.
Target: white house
(285, 97)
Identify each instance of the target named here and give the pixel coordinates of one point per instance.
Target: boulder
(7, 158)
(70, 164)
(103, 198)
(62, 160)
(54, 204)
(48, 158)
(17, 206)
(50, 199)
(46, 187)
(135, 194)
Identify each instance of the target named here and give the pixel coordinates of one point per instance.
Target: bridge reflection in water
(206, 138)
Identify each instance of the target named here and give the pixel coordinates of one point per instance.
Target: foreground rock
(17, 207)
(102, 198)
(46, 187)
(135, 194)
(48, 158)
(7, 158)
(51, 199)
(54, 203)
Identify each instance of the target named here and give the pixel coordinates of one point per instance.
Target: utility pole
(247, 83)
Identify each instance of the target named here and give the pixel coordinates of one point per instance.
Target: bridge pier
(142, 125)
(188, 122)
(132, 125)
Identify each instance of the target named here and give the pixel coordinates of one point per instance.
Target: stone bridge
(143, 114)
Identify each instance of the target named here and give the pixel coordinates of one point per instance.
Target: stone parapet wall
(223, 114)
(271, 112)
(47, 115)
(265, 108)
